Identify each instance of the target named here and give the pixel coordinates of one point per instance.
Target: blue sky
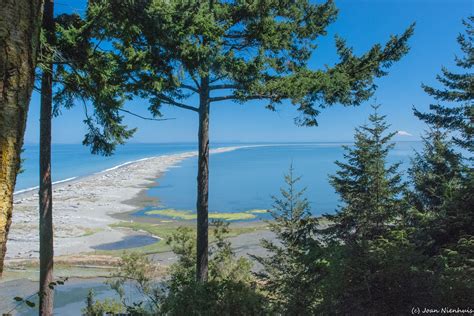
(362, 23)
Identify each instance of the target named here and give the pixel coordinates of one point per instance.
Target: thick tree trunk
(203, 184)
(20, 22)
(45, 187)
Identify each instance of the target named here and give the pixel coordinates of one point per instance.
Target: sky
(362, 23)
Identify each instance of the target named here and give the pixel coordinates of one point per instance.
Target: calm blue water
(240, 180)
(75, 160)
(246, 178)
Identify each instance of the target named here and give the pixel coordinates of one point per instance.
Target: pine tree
(437, 177)
(237, 51)
(369, 256)
(443, 176)
(70, 73)
(441, 219)
(45, 192)
(458, 92)
(293, 270)
(87, 76)
(368, 188)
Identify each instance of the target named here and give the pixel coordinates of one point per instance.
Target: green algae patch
(188, 215)
(258, 211)
(232, 216)
(176, 214)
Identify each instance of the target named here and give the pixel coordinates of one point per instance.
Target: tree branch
(167, 100)
(185, 86)
(145, 118)
(223, 86)
(195, 81)
(233, 97)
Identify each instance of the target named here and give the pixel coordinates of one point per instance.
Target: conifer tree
(437, 178)
(367, 186)
(70, 63)
(237, 51)
(442, 174)
(458, 92)
(45, 192)
(369, 256)
(294, 267)
(441, 219)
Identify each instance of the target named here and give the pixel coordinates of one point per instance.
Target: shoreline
(85, 207)
(123, 164)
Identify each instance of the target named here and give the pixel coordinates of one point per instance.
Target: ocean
(70, 161)
(240, 180)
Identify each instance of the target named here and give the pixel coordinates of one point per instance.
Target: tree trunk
(45, 187)
(203, 184)
(20, 22)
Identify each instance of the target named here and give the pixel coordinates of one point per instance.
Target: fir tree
(437, 178)
(441, 219)
(71, 70)
(369, 188)
(440, 222)
(293, 270)
(237, 51)
(369, 256)
(458, 92)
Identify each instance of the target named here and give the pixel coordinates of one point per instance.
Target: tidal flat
(94, 226)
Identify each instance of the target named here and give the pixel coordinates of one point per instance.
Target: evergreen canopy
(458, 92)
(368, 187)
(87, 75)
(236, 50)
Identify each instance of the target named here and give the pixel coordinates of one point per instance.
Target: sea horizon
(241, 179)
(30, 158)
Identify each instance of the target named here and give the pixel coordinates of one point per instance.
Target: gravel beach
(83, 208)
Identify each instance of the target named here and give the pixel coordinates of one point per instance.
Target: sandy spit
(82, 208)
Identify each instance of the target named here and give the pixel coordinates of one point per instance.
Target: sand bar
(83, 207)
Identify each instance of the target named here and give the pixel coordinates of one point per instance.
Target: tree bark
(45, 186)
(20, 22)
(203, 184)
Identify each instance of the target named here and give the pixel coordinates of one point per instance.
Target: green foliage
(373, 268)
(369, 188)
(294, 267)
(374, 277)
(99, 308)
(454, 271)
(441, 220)
(458, 92)
(137, 274)
(239, 50)
(230, 290)
(85, 74)
(438, 214)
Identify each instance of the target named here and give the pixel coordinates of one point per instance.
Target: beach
(84, 208)
(87, 212)
(99, 216)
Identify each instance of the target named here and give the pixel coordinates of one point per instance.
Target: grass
(188, 215)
